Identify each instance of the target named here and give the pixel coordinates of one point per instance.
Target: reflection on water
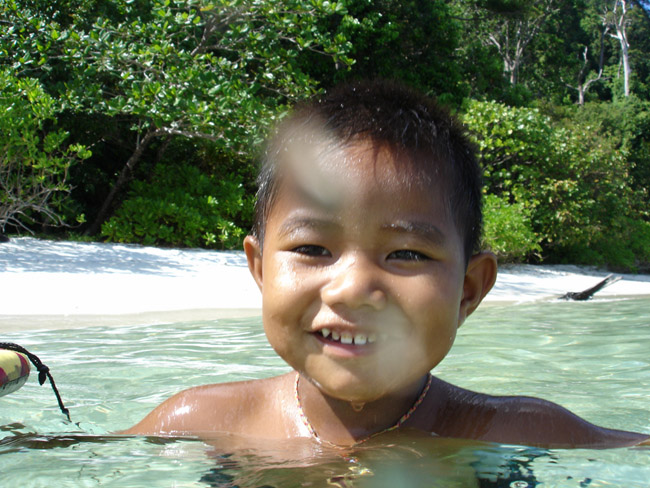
(591, 357)
(224, 461)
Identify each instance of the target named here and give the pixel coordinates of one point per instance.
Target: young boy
(365, 250)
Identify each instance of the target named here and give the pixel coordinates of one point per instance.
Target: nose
(355, 281)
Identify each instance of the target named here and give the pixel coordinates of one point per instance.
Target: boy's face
(362, 274)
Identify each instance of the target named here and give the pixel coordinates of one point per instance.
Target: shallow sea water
(590, 357)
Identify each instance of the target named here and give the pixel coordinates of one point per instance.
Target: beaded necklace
(397, 425)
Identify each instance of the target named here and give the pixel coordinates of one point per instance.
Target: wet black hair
(405, 121)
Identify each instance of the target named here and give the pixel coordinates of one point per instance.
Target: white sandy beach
(46, 284)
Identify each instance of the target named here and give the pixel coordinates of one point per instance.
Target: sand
(48, 284)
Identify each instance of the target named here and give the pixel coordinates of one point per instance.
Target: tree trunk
(581, 95)
(514, 38)
(626, 66)
(619, 22)
(121, 181)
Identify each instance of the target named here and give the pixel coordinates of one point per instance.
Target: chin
(356, 389)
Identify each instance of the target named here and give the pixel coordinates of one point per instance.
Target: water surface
(590, 357)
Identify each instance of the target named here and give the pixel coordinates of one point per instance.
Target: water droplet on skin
(357, 406)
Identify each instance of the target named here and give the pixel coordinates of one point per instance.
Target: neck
(345, 423)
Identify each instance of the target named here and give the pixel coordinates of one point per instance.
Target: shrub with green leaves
(507, 230)
(219, 71)
(34, 157)
(572, 181)
(181, 206)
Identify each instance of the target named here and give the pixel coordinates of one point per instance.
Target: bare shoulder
(226, 407)
(534, 421)
(522, 420)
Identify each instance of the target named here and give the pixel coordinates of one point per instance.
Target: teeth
(348, 338)
(360, 339)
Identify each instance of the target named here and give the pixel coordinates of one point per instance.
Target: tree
(573, 181)
(509, 26)
(513, 35)
(618, 18)
(34, 157)
(584, 81)
(390, 37)
(593, 37)
(219, 71)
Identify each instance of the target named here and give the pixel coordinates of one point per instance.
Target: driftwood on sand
(590, 292)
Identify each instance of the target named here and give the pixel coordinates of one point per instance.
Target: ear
(479, 278)
(253, 252)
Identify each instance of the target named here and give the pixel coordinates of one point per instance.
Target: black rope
(43, 371)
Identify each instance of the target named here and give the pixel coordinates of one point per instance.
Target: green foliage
(507, 230)
(625, 249)
(149, 84)
(388, 38)
(626, 125)
(216, 70)
(34, 157)
(180, 206)
(574, 183)
(189, 68)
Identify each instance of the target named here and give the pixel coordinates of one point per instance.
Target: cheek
(280, 332)
(288, 302)
(279, 273)
(288, 283)
(435, 308)
(432, 297)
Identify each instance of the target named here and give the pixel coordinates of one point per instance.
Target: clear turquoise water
(593, 358)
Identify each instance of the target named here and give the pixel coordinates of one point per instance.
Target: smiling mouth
(358, 339)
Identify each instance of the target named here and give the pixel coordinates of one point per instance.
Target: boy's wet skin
(366, 276)
(383, 263)
(371, 257)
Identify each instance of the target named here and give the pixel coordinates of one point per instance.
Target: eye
(312, 250)
(408, 255)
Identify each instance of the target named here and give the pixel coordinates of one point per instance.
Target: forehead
(338, 181)
(329, 172)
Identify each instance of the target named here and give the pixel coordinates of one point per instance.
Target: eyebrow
(422, 230)
(294, 223)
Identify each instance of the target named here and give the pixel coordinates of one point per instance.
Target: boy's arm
(167, 418)
(208, 408)
(532, 421)
(244, 407)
